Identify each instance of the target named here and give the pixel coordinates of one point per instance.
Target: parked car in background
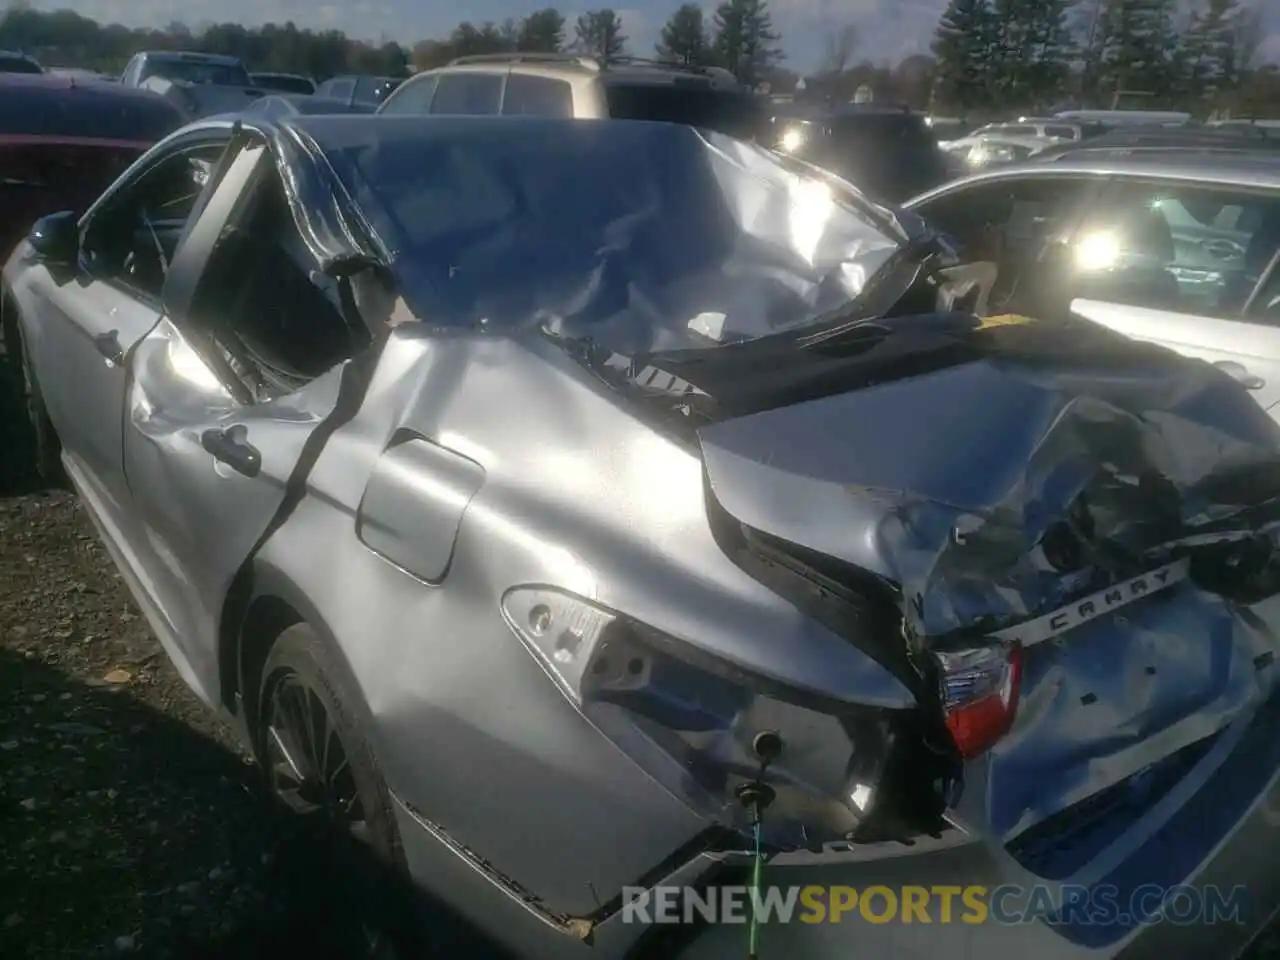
(280, 105)
(76, 73)
(979, 151)
(1126, 118)
(199, 84)
(948, 128)
(13, 62)
(1131, 141)
(357, 88)
(1178, 249)
(63, 140)
(887, 152)
(566, 85)
(1261, 124)
(1042, 128)
(283, 82)
(1022, 633)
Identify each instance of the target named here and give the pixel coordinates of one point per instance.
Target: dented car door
(88, 315)
(207, 464)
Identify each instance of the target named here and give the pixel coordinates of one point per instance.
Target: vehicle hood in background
(1015, 497)
(199, 100)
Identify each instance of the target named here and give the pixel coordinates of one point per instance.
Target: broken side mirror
(56, 239)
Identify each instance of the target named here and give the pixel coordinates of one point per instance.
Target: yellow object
(1004, 320)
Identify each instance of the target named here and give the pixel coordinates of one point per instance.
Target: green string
(753, 943)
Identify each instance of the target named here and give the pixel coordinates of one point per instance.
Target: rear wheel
(319, 765)
(45, 448)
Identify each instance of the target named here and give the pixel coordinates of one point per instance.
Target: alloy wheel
(309, 770)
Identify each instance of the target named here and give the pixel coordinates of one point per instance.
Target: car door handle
(230, 449)
(1240, 374)
(108, 344)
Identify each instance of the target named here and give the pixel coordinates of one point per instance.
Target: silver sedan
(579, 514)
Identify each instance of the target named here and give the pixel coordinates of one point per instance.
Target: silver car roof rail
(590, 63)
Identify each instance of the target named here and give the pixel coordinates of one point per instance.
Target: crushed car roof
(642, 235)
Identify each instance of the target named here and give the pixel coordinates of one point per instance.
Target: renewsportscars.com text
(1066, 904)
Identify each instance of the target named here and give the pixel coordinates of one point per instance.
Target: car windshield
(197, 71)
(734, 112)
(641, 236)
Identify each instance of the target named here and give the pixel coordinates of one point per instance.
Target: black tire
(356, 876)
(45, 447)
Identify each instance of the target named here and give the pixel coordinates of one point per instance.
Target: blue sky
(889, 29)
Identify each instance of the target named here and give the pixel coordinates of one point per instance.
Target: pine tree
(684, 38)
(1138, 48)
(1032, 48)
(541, 32)
(599, 34)
(964, 45)
(1211, 50)
(745, 41)
(468, 39)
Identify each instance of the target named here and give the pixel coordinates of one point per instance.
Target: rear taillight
(981, 688)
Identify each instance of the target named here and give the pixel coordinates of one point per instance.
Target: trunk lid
(1109, 513)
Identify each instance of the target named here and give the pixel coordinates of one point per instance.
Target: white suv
(566, 85)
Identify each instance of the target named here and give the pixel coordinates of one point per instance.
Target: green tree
(1033, 46)
(541, 32)
(684, 38)
(1215, 48)
(468, 39)
(1138, 49)
(65, 38)
(745, 42)
(599, 34)
(964, 45)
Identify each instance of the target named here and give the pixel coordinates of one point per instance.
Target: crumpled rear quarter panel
(576, 493)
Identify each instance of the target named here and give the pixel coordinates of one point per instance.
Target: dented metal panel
(1115, 521)
(413, 505)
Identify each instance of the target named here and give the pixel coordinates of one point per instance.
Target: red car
(64, 139)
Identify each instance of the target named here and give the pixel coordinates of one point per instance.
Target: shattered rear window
(732, 112)
(641, 236)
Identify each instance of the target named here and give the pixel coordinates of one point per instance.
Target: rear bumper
(1247, 859)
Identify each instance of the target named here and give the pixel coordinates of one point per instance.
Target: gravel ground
(131, 823)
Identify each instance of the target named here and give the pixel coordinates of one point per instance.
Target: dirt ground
(130, 821)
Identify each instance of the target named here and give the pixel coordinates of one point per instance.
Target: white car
(1051, 128)
(1176, 248)
(979, 151)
